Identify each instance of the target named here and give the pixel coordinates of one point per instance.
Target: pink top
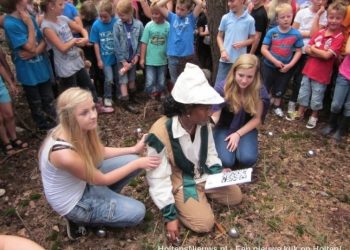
(345, 67)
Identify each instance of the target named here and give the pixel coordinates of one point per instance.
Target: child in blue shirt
(102, 36)
(281, 50)
(127, 33)
(180, 45)
(236, 33)
(153, 53)
(32, 66)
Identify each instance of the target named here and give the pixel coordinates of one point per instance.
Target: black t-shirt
(261, 21)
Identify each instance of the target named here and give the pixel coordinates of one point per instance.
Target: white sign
(229, 178)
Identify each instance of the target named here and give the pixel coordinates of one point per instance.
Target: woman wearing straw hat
(184, 141)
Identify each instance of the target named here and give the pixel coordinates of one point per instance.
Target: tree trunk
(216, 9)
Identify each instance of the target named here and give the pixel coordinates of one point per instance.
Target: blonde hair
(107, 6)
(125, 7)
(251, 93)
(187, 3)
(86, 144)
(337, 6)
(271, 13)
(283, 8)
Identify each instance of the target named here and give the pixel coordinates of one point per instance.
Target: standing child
(102, 37)
(323, 49)
(260, 16)
(303, 22)
(180, 46)
(236, 33)
(281, 50)
(32, 66)
(7, 120)
(153, 53)
(127, 35)
(338, 122)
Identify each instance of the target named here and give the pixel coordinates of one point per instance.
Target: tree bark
(216, 9)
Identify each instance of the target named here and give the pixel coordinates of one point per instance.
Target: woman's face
(245, 77)
(57, 7)
(200, 114)
(86, 115)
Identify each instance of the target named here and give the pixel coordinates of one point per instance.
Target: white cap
(192, 87)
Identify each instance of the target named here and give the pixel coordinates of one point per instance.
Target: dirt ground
(294, 202)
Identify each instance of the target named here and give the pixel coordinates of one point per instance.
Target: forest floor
(295, 202)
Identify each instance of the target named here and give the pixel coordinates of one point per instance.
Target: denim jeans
(127, 77)
(155, 78)
(102, 205)
(275, 81)
(111, 78)
(314, 90)
(80, 78)
(223, 70)
(341, 97)
(246, 153)
(40, 100)
(298, 76)
(176, 65)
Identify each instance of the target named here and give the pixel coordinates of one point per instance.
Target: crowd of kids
(266, 48)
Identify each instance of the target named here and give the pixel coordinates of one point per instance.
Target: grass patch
(35, 197)
(274, 223)
(296, 135)
(9, 212)
(24, 203)
(300, 229)
(53, 236)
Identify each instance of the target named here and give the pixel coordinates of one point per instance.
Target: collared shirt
(159, 178)
(236, 29)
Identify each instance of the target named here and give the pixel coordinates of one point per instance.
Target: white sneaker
(312, 122)
(278, 111)
(108, 102)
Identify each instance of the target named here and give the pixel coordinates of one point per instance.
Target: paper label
(229, 178)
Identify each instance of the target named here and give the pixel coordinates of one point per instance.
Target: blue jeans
(341, 97)
(155, 78)
(223, 70)
(246, 153)
(111, 77)
(311, 93)
(102, 205)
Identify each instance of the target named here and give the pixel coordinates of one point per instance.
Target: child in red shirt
(323, 49)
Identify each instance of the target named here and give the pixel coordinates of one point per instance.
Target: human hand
(148, 162)
(279, 64)
(226, 170)
(238, 45)
(135, 60)
(233, 140)
(142, 63)
(320, 11)
(173, 230)
(13, 89)
(81, 42)
(24, 15)
(285, 68)
(224, 56)
(100, 64)
(26, 55)
(140, 145)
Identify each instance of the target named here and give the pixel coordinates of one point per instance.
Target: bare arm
(220, 41)
(323, 54)
(255, 43)
(198, 8)
(146, 8)
(347, 47)
(79, 29)
(31, 42)
(316, 22)
(266, 53)
(98, 55)
(143, 54)
(162, 7)
(52, 37)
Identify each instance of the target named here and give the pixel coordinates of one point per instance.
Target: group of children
(303, 46)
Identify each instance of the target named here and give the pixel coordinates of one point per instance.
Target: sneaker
(278, 111)
(74, 231)
(311, 123)
(108, 102)
(291, 116)
(102, 109)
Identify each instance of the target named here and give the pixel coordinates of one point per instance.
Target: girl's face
(105, 16)
(86, 115)
(334, 19)
(57, 7)
(125, 17)
(22, 5)
(245, 77)
(181, 10)
(200, 114)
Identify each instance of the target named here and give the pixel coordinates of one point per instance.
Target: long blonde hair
(86, 144)
(251, 95)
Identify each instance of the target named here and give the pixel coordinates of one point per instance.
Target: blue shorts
(4, 94)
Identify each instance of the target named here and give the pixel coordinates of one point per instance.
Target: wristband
(238, 134)
(222, 50)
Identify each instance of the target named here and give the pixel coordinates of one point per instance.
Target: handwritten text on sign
(229, 178)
